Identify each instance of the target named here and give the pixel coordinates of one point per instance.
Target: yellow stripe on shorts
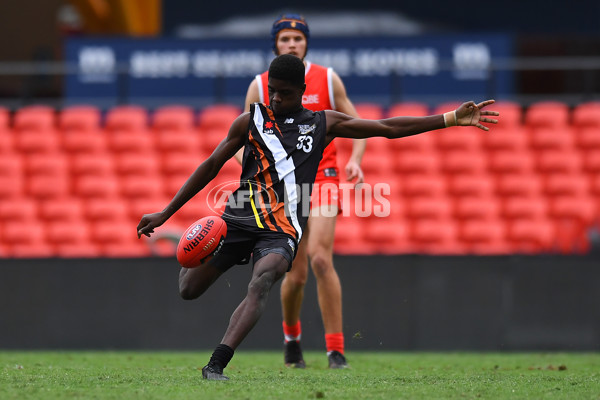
(256, 217)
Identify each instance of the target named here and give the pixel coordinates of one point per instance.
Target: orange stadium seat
(35, 118)
(99, 164)
(552, 139)
(52, 164)
(375, 164)
(595, 186)
(145, 205)
(566, 185)
(131, 141)
(12, 165)
(96, 186)
(533, 208)
(111, 209)
(561, 161)
(588, 138)
(113, 232)
(531, 236)
(133, 187)
(513, 162)
(520, 185)
(7, 143)
(348, 235)
(22, 232)
(424, 185)
(547, 114)
(20, 210)
(84, 142)
(475, 185)
(429, 207)
(173, 118)
(180, 141)
(64, 209)
(387, 236)
(581, 208)
(369, 110)
(48, 186)
(424, 143)
(505, 139)
(79, 118)
(592, 161)
(483, 208)
(130, 118)
(173, 182)
(12, 187)
(180, 163)
(412, 109)
(70, 232)
(421, 163)
(463, 162)
(586, 115)
(511, 114)
(217, 116)
(37, 141)
(136, 164)
(456, 138)
(210, 139)
(484, 237)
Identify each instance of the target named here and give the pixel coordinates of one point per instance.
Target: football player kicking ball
(324, 91)
(283, 144)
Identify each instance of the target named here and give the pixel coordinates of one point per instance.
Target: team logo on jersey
(306, 129)
(289, 121)
(268, 127)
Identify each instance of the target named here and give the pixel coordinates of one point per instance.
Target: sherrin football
(201, 241)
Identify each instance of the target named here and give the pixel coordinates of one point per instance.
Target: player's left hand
(354, 171)
(470, 114)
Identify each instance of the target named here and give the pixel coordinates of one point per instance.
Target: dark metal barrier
(400, 303)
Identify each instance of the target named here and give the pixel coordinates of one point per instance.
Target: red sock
(334, 342)
(292, 332)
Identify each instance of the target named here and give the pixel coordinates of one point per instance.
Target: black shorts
(240, 244)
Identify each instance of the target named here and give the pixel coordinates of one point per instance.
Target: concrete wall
(400, 303)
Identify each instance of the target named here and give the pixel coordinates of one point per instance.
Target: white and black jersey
(281, 159)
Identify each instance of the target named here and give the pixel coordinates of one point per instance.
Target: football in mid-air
(201, 241)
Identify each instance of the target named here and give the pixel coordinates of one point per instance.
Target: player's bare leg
(266, 272)
(329, 289)
(193, 282)
(292, 294)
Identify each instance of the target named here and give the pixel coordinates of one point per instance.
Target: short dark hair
(287, 68)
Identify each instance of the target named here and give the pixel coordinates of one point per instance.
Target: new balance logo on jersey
(310, 99)
(291, 244)
(289, 121)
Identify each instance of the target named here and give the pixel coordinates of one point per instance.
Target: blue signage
(154, 72)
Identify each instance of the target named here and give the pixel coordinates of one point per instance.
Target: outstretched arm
(344, 105)
(468, 114)
(200, 177)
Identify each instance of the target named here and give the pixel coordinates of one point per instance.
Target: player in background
(324, 91)
(283, 146)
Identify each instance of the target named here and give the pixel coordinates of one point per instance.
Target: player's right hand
(148, 223)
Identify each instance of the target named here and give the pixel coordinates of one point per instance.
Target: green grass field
(261, 375)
